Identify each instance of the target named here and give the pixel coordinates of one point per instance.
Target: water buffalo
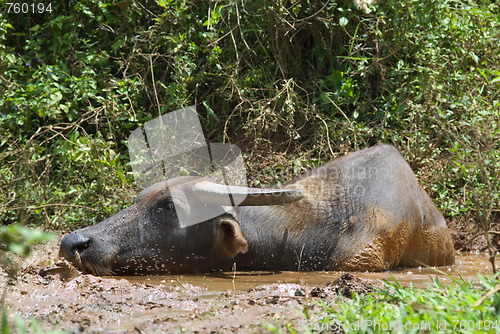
(363, 211)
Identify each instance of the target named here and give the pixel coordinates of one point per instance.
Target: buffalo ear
(229, 240)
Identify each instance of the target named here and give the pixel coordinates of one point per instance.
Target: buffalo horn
(210, 192)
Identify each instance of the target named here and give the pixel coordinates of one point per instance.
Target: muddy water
(234, 302)
(467, 266)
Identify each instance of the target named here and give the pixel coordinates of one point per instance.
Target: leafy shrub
(17, 240)
(293, 84)
(459, 307)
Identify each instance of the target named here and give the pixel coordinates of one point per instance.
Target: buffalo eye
(170, 206)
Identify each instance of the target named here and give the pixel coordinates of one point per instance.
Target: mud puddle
(240, 302)
(467, 266)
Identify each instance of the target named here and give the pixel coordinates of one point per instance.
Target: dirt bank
(59, 297)
(89, 304)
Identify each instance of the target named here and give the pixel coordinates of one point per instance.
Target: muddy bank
(89, 304)
(59, 297)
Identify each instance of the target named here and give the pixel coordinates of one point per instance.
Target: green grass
(465, 307)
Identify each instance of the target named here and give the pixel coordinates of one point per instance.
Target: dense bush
(67, 107)
(294, 84)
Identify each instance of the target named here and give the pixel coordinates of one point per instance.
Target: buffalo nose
(72, 243)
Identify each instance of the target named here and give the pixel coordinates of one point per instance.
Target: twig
(348, 120)
(300, 257)
(154, 84)
(234, 275)
(327, 135)
(479, 234)
(48, 205)
(487, 295)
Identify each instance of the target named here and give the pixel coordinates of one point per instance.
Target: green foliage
(461, 307)
(21, 328)
(293, 84)
(16, 243)
(67, 107)
(18, 239)
(436, 308)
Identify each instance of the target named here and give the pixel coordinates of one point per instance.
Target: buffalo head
(147, 237)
